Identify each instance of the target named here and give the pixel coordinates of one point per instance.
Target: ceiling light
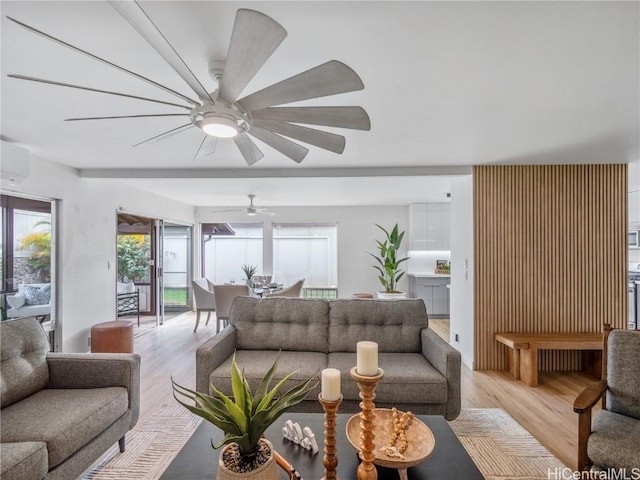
(220, 127)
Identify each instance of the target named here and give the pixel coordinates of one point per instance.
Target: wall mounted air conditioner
(14, 164)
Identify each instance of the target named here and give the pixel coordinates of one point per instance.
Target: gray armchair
(614, 439)
(60, 412)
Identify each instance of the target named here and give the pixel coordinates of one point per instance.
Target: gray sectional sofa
(60, 412)
(422, 371)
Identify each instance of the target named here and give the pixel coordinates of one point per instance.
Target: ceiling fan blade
(140, 21)
(355, 118)
(264, 212)
(128, 116)
(229, 211)
(62, 84)
(328, 141)
(248, 148)
(254, 39)
(166, 134)
(292, 150)
(207, 147)
(107, 62)
(329, 78)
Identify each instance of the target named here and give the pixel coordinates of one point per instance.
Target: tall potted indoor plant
(243, 419)
(388, 265)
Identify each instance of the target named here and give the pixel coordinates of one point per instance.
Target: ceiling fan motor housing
(219, 112)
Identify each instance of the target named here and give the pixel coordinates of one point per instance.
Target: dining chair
(205, 300)
(292, 291)
(210, 285)
(224, 298)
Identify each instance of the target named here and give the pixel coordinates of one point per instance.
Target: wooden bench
(522, 358)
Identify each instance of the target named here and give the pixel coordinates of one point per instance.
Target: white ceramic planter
(391, 296)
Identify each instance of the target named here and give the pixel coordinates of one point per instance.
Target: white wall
(461, 290)
(86, 264)
(356, 236)
(634, 204)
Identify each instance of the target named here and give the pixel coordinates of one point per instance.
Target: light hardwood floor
(545, 411)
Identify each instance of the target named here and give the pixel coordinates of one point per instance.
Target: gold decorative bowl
(420, 438)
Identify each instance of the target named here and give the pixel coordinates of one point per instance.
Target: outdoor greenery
(245, 418)
(40, 260)
(134, 253)
(175, 296)
(388, 264)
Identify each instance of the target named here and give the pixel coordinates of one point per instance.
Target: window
(306, 250)
(227, 247)
(27, 261)
(26, 242)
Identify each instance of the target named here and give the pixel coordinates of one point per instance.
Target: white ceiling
(447, 85)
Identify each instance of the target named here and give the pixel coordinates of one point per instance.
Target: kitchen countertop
(429, 275)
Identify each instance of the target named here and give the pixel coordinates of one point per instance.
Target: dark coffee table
(449, 460)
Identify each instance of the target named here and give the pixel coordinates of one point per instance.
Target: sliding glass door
(176, 264)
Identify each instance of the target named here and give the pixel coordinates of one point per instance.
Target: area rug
(498, 445)
(501, 448)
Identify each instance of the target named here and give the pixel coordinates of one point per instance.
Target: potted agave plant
(388, 265)
(249, 271)
(244, 419)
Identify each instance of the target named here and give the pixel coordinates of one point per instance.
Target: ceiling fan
(222, 114)
(251, 210)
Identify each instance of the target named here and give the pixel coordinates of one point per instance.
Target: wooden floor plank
(546, 411)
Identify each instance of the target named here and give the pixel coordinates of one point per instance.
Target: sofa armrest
(98, 370)
(446, 360)
(212, 354)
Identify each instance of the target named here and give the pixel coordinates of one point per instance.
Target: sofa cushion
(29, 311)
(23, 359)
(23, 461)
(293, 324)
(394, 325)
(623, 374)
(255, 364)
(16, 301)
(408, 378)
(614, 441)
(66, 419)
(36, 294)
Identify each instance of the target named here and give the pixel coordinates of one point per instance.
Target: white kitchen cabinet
(434, 292)
(429, 226)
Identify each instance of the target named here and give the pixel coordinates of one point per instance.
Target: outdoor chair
(612, 442)
(224, 298)
(205, 300)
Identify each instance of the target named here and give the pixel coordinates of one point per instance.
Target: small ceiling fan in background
(251, 210)
(221, 114)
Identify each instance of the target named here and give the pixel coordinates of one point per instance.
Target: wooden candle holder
(330, 459)
(367, 385)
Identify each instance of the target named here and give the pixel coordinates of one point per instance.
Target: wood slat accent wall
(550, 254)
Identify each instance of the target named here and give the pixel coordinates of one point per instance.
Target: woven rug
(501, 448)
(498, 445)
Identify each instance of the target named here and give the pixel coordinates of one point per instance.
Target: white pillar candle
(367, 358)
(330, 385)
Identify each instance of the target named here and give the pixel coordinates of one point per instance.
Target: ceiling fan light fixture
(220, 127)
